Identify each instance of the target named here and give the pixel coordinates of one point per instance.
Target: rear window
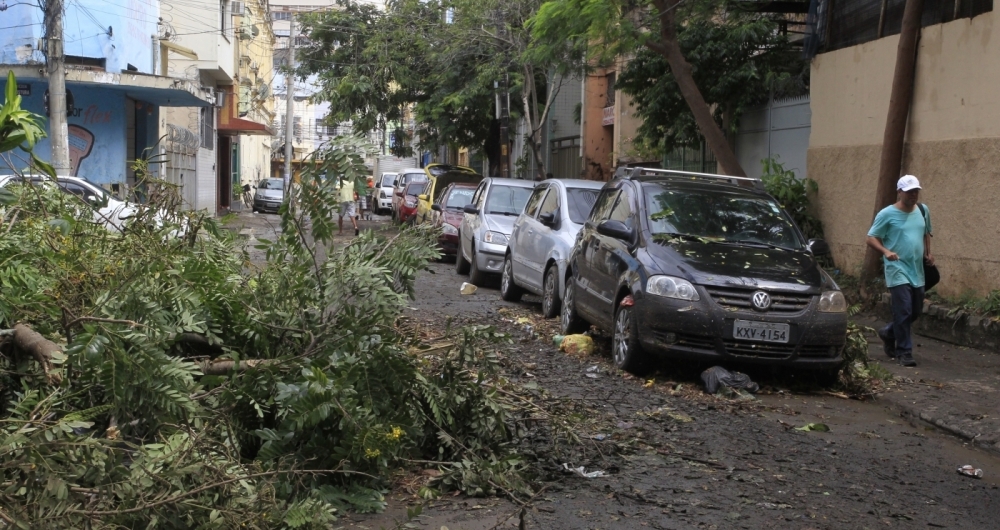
(581, 201)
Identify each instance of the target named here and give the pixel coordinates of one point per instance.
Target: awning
(155, 89)
(229, 121)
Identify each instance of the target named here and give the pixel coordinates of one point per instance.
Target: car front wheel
(625, 349)
(550, 292)
(571, 323)
(509, 291)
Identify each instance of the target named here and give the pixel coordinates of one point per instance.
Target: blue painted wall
(97, 132)
(120, 32)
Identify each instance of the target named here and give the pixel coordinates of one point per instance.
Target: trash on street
(468, 288)
(818, 427)
(718, 377)
(970, 471)
(557, 339)
(577, 345)
(580, 471)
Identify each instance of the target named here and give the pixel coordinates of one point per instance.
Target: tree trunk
(534, 138)
(670, 49)
(895, 124)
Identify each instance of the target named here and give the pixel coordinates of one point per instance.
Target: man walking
(347, 206)
(902, 233)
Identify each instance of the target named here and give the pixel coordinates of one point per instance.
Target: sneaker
(888, 345)
(906, 359)
(357, 232)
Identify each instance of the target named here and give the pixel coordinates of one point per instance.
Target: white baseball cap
(907, 183)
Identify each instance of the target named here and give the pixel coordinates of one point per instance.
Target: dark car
(702, 267)
(448, 212)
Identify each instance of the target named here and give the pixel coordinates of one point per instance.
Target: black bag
(931, 273)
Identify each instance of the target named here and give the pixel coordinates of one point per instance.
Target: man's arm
(876, 244)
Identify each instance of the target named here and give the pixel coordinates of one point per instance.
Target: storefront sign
(609, 116)
(24, 89)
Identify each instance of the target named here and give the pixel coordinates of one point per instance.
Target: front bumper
(703, 331)
(265, 205)
(384, 204)
(489, 257)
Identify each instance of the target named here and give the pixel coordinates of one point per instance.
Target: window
(507, 200)
(477, 199)
(579, 203)
(603, 205)
(623, 209)
(534, 201)
(611, 90)
(551, 203)
(297, 128)
(458, 198)
(281, 15)
(208, 127)
(224, 24)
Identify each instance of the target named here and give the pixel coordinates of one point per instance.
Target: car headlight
(495, 237)
(832, 302)
(258, 197)
(449, 230)
(672, 287)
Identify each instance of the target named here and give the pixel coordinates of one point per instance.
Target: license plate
(272, 204)
(760, 331)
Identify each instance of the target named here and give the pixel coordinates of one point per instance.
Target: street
(674, 457)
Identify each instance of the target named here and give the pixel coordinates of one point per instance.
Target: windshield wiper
(686, 237)
(501, 213)
(758, 244)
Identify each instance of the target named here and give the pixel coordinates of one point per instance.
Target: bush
(793, 194)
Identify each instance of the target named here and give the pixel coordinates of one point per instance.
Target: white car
(384, 189)
(108, 209)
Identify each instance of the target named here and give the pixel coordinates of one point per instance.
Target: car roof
(470, 185)
(576, 183)
(520, 183)
(411, 170)
(697, 185)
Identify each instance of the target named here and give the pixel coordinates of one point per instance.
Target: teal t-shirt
(903, 233)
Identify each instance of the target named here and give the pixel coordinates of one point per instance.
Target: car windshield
(415, 188)
(507, 200)
(458, 198)
(581, 201)
(271, 184)
(712, 216)
(387, 180)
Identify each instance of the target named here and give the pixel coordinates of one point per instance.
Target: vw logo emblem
(761, 301)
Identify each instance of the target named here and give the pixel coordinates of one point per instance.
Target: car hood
(731, 265)
(452, 217)
(500, 223)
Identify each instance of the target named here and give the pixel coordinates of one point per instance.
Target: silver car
(269, 195)
(486, 225)
(542, 239)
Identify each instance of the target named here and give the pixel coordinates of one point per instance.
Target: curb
(951, 325)
(942, 423)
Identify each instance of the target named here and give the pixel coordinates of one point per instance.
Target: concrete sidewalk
(953, 388)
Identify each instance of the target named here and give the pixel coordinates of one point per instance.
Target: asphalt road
(674, 457)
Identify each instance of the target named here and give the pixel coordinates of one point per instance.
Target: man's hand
(929, 258)
(890, 255)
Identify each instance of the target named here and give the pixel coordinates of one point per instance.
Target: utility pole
(289, 106)
(58, 130)
(504, 107)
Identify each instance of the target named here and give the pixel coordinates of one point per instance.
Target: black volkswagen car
(702, 267)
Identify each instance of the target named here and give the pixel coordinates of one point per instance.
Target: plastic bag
(717, 377)
(577, 345)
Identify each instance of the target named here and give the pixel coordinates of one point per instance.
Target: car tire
(476, 276)
(461, 266)
(570, 321)
(626, 352)
(509, 290)
(550, 292)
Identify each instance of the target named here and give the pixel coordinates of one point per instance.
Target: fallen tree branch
(224, 367)
(42, 349)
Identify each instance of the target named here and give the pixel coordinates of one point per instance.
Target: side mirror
(423, 197)
(92, 199)
(469, 208)
(547, 219)
(436, 207)
(818, 247)
(615, 229)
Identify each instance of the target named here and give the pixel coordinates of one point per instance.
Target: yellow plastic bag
(577, 345)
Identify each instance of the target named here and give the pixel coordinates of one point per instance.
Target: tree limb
(42, 349)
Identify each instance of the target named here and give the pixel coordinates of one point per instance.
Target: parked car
(408, 208)
(384, 189)
(702, 267)
(486, 225)
(269, 195)
(405, 177)
(109, 210)
(440, 175)
(447, 213)
(542, 238)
